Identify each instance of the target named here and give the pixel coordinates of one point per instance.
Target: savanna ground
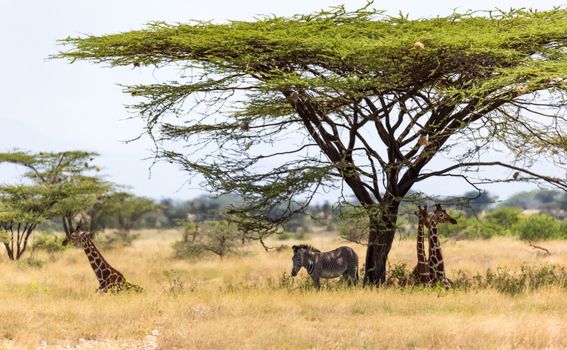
(247, 302)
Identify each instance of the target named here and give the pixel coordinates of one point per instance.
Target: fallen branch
(547, 252)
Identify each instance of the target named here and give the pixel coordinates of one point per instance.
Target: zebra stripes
(342, 261)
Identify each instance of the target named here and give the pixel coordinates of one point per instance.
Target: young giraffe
(108, 277)
(436, 265)
(421, 271)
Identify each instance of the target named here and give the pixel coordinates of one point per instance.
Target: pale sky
(54, 106)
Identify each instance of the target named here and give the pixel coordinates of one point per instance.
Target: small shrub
(187, 250)
(527, 279)
(116, 239)
(217, 237)
(282, 248)
(398, 275)
(563, 229)
(462, 281)
(175, 283)
(49, 243)
(504, 280)
(299, 234)
(538, 227)
(34, 262)
(285, 281)
(470, 228)
(505, 217)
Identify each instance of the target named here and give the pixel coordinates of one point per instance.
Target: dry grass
(235, 303)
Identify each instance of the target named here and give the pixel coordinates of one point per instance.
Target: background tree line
(63, 190)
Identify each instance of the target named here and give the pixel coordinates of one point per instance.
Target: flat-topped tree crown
(371, 100)
(22, 209)
(70, 177)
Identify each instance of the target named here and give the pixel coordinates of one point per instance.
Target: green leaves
(360, 88)
(25, 204)
(60, 186)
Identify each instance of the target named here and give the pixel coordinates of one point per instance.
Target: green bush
(285, 235)
(504, 216)
(34, 262)
(504, 280)
(216, 237)
(116, 239)
(49, 243)
(187, 250)
(527, 279)
(563, 229)
(538, 227)
(470, 228)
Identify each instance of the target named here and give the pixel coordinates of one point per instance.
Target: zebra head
(299, 256)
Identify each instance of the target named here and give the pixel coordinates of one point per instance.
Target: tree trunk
(9, 251)
(382, 227)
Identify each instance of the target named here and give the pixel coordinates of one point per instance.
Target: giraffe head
(440, 215)
(422, 216)
(74, 237)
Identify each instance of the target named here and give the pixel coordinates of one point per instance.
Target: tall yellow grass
(231, 303)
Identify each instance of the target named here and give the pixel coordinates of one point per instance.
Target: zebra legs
(317, 282)
(351, 276)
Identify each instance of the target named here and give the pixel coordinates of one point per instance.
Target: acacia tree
(129, 209)
(22, 208)
(361, 97)
(66, 174)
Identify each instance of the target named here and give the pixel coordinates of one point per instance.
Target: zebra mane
(306, 247)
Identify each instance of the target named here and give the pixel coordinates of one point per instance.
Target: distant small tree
(470, 228)
(217, 237)
(22, 209)
(504, 216)
(67, 173)
(129, 209)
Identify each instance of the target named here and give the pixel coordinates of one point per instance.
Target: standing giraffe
(436, 265)
(421, 271)
(108, 277)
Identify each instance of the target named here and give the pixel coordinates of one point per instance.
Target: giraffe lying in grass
(108, 277)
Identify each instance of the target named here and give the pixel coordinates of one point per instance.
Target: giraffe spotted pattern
(108, 277)
(436, 264)
(421, 272)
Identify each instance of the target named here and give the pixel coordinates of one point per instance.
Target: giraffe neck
(100, 266)
(436, 265)
(422, 267)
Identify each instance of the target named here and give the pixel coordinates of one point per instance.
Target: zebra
(342, 261)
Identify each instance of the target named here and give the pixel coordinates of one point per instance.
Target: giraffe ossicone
(110, 279)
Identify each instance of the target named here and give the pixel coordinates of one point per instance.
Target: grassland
(243, 302)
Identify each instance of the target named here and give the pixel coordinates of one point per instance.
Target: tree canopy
(371, 100)
(65, 175)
